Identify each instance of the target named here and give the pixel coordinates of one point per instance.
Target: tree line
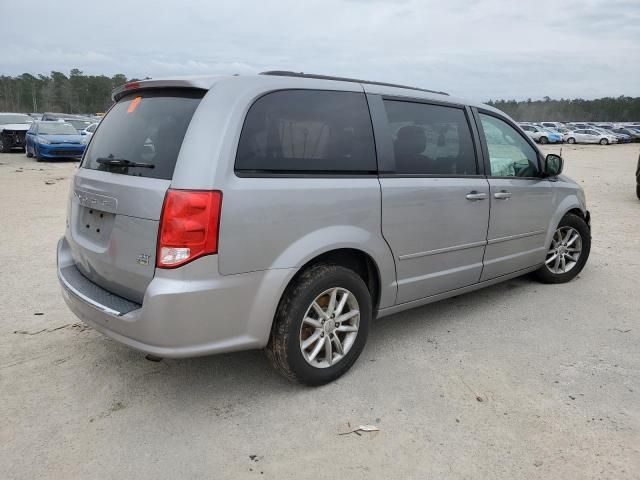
(57, 92)
(608, 109)
(80, 93)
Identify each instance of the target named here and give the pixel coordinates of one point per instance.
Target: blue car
(51, 140)
(554, 136)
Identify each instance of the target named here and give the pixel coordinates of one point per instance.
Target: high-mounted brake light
(131, 85)
(189, 226)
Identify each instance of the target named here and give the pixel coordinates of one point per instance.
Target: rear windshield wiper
(123, 162)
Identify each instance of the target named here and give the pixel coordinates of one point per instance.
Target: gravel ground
(520, 380)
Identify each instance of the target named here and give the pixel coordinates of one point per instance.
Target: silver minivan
(286, 211)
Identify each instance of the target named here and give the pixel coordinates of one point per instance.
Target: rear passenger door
(593, 136)
(581, 136)
(521, 199)
(435, 206)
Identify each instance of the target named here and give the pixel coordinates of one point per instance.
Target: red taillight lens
(188, 226)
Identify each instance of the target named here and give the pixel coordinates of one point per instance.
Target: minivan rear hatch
(117, 195)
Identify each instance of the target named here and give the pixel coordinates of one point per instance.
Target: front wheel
(568, 252)
(26, 150)
(4, 147)
(571, 140)
(321, 325)
(36, 153)
(544, 140)
(604, 141)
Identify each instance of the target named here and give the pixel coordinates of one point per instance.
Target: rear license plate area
(95, 224)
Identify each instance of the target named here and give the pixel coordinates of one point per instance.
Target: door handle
(474, 195)
(502, 195)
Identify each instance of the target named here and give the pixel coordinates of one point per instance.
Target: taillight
(189, 226)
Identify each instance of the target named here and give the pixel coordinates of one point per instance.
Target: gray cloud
(479, 49)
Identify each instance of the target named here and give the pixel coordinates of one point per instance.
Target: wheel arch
(355, 259)
(570, 204)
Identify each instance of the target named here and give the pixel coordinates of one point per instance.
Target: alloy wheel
(565, 250)
(329, 327)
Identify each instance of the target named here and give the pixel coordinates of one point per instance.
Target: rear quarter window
(307, 131)
(145, 127)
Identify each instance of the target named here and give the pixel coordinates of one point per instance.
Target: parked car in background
(13, 127)
(634, 134)
(79, 122)
(589, 135)
(622, 137)
(51, 140)
(557, 132)
(554, 125)
(576, 126)
(540, 134)
(88, 132)
(173, 251)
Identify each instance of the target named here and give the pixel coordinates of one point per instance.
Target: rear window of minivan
(307, 131)
(142, 133)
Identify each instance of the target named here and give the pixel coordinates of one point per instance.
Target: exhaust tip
(153, 358)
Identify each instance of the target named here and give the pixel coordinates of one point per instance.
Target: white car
(588, 135)
(87, 133)
(540, 134)
(553, 125)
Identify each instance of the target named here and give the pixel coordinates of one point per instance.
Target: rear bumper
(186, 312)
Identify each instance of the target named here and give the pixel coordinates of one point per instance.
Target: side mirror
(82, 132)
(553, 165)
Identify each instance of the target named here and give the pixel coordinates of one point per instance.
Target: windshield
(56, 128)
(15, 118)
(79, 124)
(143, 127)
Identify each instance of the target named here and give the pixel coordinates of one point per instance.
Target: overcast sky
(472, 48)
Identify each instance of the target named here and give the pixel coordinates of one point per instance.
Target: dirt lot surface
(520, 380)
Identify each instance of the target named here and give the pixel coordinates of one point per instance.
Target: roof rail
(286, 73)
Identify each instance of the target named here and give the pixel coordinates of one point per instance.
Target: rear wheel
(571, 140)
(321, 325)
(604, 141)
(544, 140)
(568, 252)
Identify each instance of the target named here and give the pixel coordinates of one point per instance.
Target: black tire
(638, 191)
(604, 141)
(544, 140)
(545, 275)
(26, 150)
(4, 148)
(571, 140)
(36, 154)
(283, 349)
